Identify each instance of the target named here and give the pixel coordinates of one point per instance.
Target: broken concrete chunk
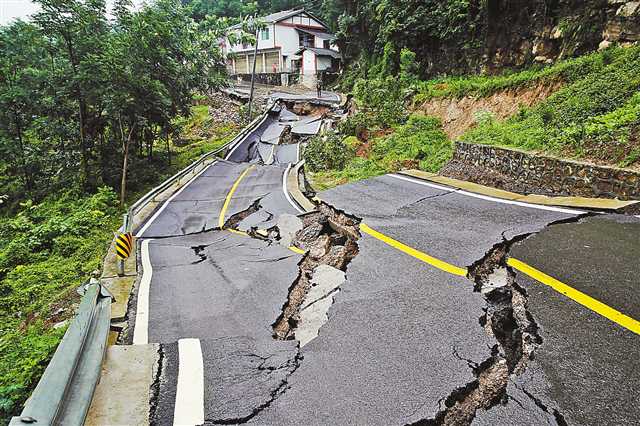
(289, 225)
(320, 247)
(310, 232)
(325, 284)
(324, 281)
(497, 279)
(312, 318)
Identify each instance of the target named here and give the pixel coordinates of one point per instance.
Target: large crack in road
(508, 319)
(330, 236)
(330, 239)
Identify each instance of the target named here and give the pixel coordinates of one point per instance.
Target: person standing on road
(319, 85)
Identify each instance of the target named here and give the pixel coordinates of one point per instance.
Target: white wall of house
(308, 62)
(281, 36)
(308, 76)
(287, 39)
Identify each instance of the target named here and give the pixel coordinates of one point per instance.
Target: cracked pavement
(396, 340)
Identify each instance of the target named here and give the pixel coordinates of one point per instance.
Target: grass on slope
(47, 250)
(419, 143)
(568, 71)
(597, 116)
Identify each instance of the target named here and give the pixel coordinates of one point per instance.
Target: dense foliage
(45, 252)
(49, 248)
(418, 143)
(481, 85)
(462, 36)
(84, 97)
(595, 115)
(326, 152)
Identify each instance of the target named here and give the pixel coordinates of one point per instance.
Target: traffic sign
(124, 245)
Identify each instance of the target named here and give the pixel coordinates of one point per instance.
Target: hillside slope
(586, 108)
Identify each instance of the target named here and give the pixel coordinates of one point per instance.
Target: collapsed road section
(279, 136)
(329, 239)
(393, 302)
(406, 342)
(209, 292)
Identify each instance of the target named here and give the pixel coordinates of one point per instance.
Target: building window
(265, 34)
(305, 40)
(326, 44)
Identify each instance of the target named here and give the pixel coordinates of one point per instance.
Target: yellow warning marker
(124, 245)
(577, 296)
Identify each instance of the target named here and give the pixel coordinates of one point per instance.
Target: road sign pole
(120, 267)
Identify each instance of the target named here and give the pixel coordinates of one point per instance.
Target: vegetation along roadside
(593, 114)
(88, 123)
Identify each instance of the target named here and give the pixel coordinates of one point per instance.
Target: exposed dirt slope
(459, 115)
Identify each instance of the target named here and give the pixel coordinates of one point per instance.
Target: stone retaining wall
(523, 172)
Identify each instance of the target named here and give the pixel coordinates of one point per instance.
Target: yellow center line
(577, 296)
(225, 206)
(235, 231)
(440, 264)
(227, 200)
(296, 250)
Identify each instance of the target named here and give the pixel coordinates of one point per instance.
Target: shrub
(326, 152)
(593, 116)
(408, 68)
(46, 250)
(381, 100)
(419, 143)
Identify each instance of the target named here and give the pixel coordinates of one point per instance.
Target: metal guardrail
(65, 390)
(150, 196)
(63, 394)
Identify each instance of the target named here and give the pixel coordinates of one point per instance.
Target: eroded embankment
(460, 115)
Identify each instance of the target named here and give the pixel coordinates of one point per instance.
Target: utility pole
(253, 72)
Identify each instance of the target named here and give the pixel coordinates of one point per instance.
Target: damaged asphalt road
(197, 207)
(318, 321)
(404, 342)
(587, 367)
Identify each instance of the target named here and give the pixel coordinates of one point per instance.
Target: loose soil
(459, 115)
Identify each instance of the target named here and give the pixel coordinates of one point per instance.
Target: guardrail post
(125, 226)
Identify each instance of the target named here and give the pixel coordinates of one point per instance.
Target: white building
(293, 41)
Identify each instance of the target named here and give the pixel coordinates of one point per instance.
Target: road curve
(416, 333)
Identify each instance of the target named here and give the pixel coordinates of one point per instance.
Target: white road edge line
(164, 205)
(488, 198)
(284, 189)
(244, 137)
(189, 407)
(297, 152)
(141, 328)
